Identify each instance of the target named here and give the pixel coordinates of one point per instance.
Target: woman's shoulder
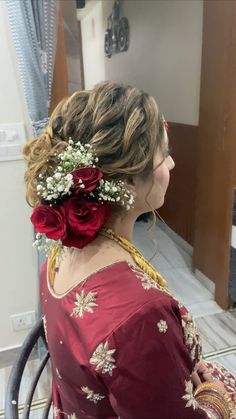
(120, 283)
(118, 296)
(123, 291)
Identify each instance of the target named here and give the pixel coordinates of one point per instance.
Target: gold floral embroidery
(146, 281)
(190, 330)
(103, 359)
(45, 328)
(162, 326)
(58, 374)
(91, 395)
(189, 397)
(56, 412)
(191, 336)
(85, 302)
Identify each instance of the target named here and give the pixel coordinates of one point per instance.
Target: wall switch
(23, 321)
(12, 139)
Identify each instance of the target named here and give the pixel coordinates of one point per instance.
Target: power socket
(23, 321)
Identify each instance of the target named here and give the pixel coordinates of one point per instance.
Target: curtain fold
(33, 25)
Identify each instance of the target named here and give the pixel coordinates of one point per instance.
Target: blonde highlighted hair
(123, 124)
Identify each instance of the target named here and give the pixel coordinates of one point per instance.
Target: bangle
(211, 387)
(215, 397)
(213, 403)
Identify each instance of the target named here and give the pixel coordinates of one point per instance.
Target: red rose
(88, 176)
(85, 217)
(49, 220)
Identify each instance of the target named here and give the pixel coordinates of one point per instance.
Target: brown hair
(122, 123)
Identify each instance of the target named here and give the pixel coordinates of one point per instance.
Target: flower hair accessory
(77, 200)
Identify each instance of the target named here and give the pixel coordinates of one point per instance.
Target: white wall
(164, 57)
(92, 31)
(18, 267)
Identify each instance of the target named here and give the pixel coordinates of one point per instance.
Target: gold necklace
(138, 258)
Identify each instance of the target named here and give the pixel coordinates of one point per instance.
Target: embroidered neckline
(82, 282)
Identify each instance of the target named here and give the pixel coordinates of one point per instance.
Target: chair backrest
(13, 386)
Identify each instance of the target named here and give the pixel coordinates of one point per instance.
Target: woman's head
(150, 191)
(123, 124)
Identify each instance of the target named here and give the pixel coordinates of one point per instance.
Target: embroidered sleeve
(151, 366)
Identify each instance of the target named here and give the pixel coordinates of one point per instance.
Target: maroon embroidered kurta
(121, 346)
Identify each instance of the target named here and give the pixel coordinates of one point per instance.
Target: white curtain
(33, 24)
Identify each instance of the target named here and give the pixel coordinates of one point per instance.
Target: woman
(121, 345)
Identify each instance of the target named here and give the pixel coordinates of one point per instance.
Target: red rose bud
(85, 217)
(87, 176)
(49, 220)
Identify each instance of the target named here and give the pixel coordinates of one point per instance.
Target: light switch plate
(12, 139)
(23, 321)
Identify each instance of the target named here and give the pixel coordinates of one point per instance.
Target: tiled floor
(217, 328)
(174, 263)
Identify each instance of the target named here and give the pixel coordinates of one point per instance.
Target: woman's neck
(122, 226)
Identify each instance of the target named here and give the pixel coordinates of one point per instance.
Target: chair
(13, 386)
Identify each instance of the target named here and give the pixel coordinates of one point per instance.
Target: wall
(60, 71)
(73, 51)
(164, 57)
(18, 286)
(92, 32)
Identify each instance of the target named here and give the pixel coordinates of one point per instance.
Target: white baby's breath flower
(60, 188)
(57, 175)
